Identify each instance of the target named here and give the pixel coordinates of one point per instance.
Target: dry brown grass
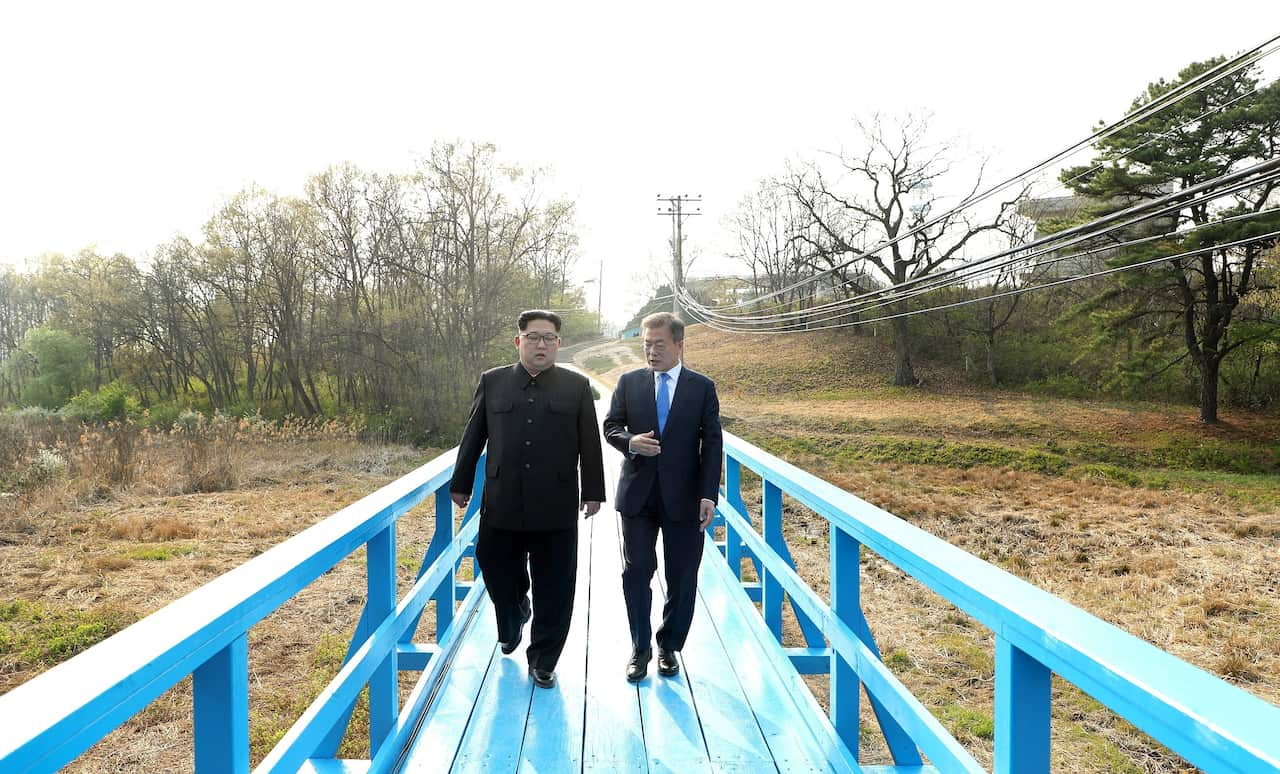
(77, 548)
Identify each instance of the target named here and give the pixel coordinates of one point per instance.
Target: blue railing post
(733, 496)
(446, 597)
(846, 603)
(771, 508)
(384, 691)
(220, 693)
(1022, 711)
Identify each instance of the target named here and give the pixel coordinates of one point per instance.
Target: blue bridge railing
(55, 717)
(1212, 724)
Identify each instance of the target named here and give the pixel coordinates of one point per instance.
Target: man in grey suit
(540, 425)
(666, 420)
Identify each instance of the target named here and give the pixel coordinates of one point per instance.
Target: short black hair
(530, 315)
(665, 320)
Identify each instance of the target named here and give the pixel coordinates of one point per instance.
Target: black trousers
(512, 561)
(682, 553)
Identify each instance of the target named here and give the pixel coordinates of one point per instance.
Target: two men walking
(540, 425)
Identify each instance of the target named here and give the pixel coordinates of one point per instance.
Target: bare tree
(885, 194)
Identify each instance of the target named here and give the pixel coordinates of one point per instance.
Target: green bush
(111, 403)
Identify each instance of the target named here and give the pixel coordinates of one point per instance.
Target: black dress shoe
(542, 677)
(667, 664)
(638, 666)
(526, 612)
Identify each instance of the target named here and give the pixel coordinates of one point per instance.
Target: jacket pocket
(491, 469)
(563, 407)
(500, 406)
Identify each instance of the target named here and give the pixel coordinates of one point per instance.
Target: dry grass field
(1136, 513)
(82, 556)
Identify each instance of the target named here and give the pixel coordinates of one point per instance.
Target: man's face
(538, 344)
(661, 352)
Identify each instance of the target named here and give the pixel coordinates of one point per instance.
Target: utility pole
(600, 301)
(675, 209)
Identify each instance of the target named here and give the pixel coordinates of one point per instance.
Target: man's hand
(706, 512)
(646, 444)
(460, 499)
(590, 508)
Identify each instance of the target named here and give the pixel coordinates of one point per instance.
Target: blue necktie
(664, 402)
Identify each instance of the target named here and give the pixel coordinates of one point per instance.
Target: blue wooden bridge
(738, 705)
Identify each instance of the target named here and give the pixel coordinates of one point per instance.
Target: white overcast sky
(122, 124)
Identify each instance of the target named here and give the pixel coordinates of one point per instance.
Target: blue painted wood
(415, 656)
(445, 718)
(1022, 711)
(220, 689)
(433, 693)
(54, 717)
(553, 736)
(334, 766)
(846, 605)
(733, 738)
(384, 688)
(845, 570)
(922, 728)
(306, 736)
(612, 733)
(733, 493)
(48, 721)
(784, 714)
(810, 661)
(672, 729)
(496, 728)
(1202, 718)
(771, 528)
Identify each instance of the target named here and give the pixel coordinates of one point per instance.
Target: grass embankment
(1136, 513)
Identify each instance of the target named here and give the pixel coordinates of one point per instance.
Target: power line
(1202, 81)
(1114, 270)
(1259, 174)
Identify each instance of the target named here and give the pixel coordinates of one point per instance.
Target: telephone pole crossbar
(675, 209)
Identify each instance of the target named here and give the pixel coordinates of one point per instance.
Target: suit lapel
(681, 396)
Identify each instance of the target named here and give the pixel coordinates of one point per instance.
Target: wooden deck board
(727, 710)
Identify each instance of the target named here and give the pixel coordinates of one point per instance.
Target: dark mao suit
(539, 430)
(662, 493)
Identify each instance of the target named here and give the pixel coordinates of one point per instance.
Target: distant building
(1055, 213)
(630, 333)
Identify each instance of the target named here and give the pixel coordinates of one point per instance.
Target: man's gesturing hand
(646, 444)
(590, 508)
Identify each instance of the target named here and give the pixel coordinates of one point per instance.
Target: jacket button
(528, 443)
(526, 466)
(529, 421)
(531, 400)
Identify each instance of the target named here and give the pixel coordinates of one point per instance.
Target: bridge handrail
(56, 716)
(1199, 716)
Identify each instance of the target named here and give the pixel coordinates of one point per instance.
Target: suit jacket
(539, 431)
(688, 469)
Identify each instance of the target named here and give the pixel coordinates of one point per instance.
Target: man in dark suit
(540, 424)
(666, 420)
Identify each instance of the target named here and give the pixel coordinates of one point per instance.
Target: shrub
(47, 466)
(110, 403)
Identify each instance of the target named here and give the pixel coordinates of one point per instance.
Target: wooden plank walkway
(729, 709)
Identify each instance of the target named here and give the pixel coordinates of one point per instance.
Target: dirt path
(624, 355)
